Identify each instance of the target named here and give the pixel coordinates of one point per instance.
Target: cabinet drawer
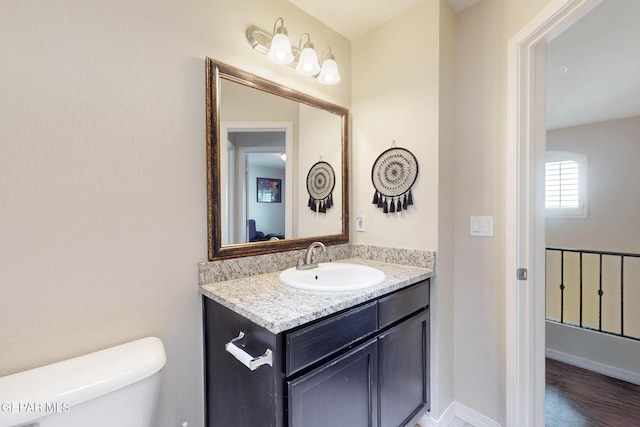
(403, 303)
(312, 343)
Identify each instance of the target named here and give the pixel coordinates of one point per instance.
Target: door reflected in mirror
(256, 157)
(258, 130)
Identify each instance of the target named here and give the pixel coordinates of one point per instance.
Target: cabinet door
(404, 371)
(235, 395)
(342, 393)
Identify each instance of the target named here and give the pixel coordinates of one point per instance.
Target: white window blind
(565, 184)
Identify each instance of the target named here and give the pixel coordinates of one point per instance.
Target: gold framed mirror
(250, 122)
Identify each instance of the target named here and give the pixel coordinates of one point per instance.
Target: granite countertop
(276, 307)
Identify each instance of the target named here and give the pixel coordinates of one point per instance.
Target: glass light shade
(308, 62)
(329, 73)
(280, 50)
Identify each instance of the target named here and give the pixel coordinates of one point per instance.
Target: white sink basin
(333, 277)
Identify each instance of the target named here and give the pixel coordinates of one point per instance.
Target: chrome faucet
(308, 263)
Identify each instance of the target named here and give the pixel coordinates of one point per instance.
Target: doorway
(251, 147)
(525, 257)
(592, 264)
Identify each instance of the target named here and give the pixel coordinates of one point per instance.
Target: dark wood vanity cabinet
(365, 366)
(340, 393)
(403, 363)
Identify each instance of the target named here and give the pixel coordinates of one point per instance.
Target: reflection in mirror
(255, 155)
(262, 140)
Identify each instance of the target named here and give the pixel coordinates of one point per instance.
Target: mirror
(264, 142)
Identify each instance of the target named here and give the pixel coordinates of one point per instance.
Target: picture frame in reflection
(269, 190)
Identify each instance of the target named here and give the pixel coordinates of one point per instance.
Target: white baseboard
(476, 419)
(455, 415)
(601, 368)
(446, 419)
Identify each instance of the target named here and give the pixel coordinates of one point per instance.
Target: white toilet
(115, 387)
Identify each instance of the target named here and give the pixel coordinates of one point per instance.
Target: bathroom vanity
(276, 356)
(286, 357)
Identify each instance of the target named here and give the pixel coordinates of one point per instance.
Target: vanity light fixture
(277, 47)
(329, 72)
(280, 48)
(307, 59)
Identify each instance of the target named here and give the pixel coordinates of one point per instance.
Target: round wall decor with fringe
(393, 174)
(321, 181)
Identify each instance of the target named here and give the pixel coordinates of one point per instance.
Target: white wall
(480, 146)
(103, 186)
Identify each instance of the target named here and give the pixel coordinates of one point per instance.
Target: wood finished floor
(579, 398)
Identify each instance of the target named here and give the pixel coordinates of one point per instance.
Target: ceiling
(267, 160)
(593, 68)
(357, 17)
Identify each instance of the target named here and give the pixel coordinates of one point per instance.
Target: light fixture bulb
(280, 49)
(308, 62)
(307, 58)
(329, 72)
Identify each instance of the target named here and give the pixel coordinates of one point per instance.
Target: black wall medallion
(393, 174)
(321, 181)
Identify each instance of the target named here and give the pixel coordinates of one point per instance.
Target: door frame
(243, 168)
(234, 205)
(525, 223)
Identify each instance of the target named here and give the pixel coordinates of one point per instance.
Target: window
(565, 185)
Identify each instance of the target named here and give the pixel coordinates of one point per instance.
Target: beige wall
(612, 152)
(443, 295)
(610, 355)
(479, 263)
(396, 96)
(102, 153)
(103, 176)
(320, 136)
(611, 224)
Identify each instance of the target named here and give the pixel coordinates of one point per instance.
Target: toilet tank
(117, 386)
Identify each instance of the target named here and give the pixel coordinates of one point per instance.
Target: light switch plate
(360, 222)
(481, 226)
